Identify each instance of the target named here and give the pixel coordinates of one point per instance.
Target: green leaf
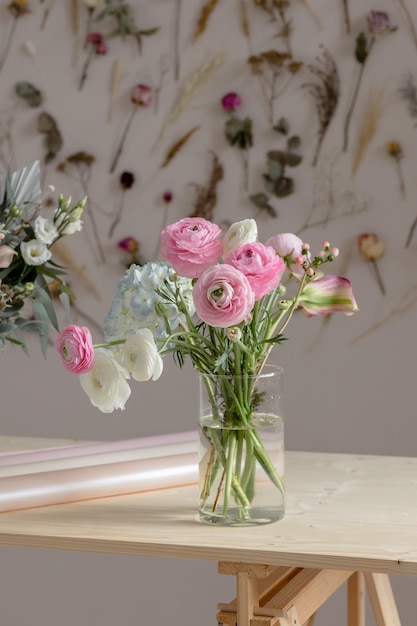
(284, 186)
(361, 49)
(66, 303)
(261, 201)
(294, 143)
(275, 169)
(269, 183)
(43, 297)
(30, 94)
(282, 126)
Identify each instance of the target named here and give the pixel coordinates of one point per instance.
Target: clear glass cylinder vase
(241, 448)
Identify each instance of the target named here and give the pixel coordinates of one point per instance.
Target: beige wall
(343, 394)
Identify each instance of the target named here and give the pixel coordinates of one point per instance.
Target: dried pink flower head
(101, 48)
(141, 95)
(379, 23)
(95, 38)
(167, 196)
(128, 244)
(231, 101)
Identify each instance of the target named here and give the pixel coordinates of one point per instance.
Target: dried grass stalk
(206, 199)
(369, 128)
(62, 252)
(190, 88)
(176, 147)
(115, 81)
(74, 16)
(205, 14)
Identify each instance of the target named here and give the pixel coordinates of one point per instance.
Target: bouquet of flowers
(27, 271)
(223, 301)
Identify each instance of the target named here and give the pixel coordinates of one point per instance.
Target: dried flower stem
(411, 232)
(245, 24)
(46, 13)
(346, 16)
(157, 90)
(378, 277)
(401, 181)
(6, 47)
(353, 99)
(115, 80)
(122, 140)
(85, 68)
(118, 215)
(409, 19)
(177, 21)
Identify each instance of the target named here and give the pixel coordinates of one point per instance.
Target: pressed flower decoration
(140, 97)
(371, 249)
(379, 26)
(97, 47)
(17, 8)
(395, 151)
(238, 132)
(28, 273)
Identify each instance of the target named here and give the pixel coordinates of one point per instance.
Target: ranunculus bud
(370, 246)
(141, 95)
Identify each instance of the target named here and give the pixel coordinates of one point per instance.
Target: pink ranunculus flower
(289, 247)
(75, 345)
(191, 245)
(261, 265)
(329, 294)
(223, 296)
(6, 255)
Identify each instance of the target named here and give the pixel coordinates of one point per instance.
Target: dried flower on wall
(53, 138)
(29, 93)
(395, 151)
(369, 128)
(277, 11)
(206, 199)
(114, 86)
(91, 6)
(126, 181)
(123, 15)
(378, 26)
(17, 8)
(191, 86)
(177, 146)
(141, 97)
(130, 246)
(408, 92)
(271, 66)
(276, 180)
(97, 47)
(238, 132)
(371, 249)
(204, 17)
(325, 91)
(79, 165)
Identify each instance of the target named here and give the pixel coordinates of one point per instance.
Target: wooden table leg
(356, 600)
(382, 600)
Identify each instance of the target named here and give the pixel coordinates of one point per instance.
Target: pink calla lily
(330, 294)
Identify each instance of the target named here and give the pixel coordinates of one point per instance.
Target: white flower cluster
(133, 306)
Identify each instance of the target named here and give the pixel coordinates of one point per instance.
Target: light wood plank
(338, 517)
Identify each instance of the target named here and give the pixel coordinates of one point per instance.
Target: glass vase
(241, 448)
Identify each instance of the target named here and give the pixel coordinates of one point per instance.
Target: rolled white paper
(85, 483)
(87, 449)
(114, 454)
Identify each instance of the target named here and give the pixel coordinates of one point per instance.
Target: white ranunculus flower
(239, 233)
(105, 384)
(141, 357)
(45, 230)
(34, 252)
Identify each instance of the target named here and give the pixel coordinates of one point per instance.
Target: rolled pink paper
(87, 449)
(115, 455)
(71, 485)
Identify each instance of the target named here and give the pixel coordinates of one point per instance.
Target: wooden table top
(350, 512)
